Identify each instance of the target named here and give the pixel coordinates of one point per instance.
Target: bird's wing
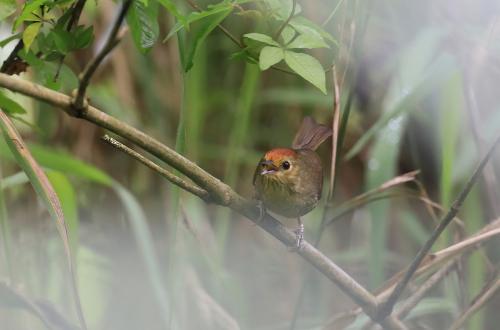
(310, 134)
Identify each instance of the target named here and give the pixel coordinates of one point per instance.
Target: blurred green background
(418, 84)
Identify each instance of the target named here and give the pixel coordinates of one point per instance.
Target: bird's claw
(262, 212)
(299, 238)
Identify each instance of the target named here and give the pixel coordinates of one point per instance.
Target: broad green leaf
(287, 34)
(83, 37)
(262, 38)
(10, 106)
(7, 8)
(29, 7)
(143, 24)
(307, 67)
(303, 25)
(269, 56)
(30, 34)
(45, 191)
(206, 26)
(63, 40)
(308, 41)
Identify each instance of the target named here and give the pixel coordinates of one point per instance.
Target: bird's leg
(299, 234)
(262, 212)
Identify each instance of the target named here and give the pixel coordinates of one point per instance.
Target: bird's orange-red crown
(276, 155)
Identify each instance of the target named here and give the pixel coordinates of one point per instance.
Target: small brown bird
(288, 181)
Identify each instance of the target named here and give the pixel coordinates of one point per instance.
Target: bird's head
(279, 164)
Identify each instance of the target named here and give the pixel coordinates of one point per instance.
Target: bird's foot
(299, 238)
(262, 212)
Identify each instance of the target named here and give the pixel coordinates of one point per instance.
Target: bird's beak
(268, 167)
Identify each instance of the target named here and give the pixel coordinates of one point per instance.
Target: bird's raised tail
(310, 135)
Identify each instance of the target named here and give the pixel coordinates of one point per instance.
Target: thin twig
(75, 15)
(76, 12)
(285, 23)
(387, 306)
(482, 298)
(184, 184)
(220, 193)
(92, 66)
(335, 131)
(459, 250)
(423, 288)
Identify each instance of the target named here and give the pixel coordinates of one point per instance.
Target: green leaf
(83, 37)
(264, 38)
(308, 41)
(303, 25)
(63, 39)
(269, 56)
(28, 9)
(287, 34)
(7, 8)
(202, 31)
(30, 34)
(281, 9)
(10, 106)
(172, 8)
(143, 23)
(196, 16)
(307, 67)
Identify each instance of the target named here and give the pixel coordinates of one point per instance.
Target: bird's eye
(285, 165)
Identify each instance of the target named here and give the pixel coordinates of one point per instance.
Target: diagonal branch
(387, 306)
(92, 66)
(220, 193)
